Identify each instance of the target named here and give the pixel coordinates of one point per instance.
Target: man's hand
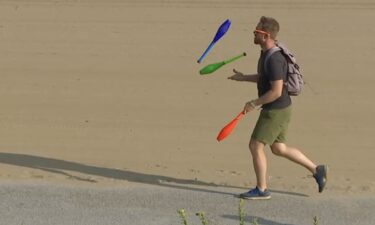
(249, 106)
(238, 76)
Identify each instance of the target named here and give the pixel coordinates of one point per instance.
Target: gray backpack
(294, 83)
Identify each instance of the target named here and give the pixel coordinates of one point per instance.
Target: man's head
(267, 28)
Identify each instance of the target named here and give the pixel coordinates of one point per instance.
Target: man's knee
(255, 145)
(278, 149)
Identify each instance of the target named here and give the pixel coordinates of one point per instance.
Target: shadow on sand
(260, 220)
(62, 167)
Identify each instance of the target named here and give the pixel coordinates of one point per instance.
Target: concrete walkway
(46, 204)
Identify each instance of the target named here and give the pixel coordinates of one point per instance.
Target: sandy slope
(107, 92)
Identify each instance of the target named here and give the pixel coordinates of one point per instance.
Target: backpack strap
(268, 55)
(286, 52)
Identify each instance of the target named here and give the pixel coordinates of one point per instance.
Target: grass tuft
(255, 221)
(183, 216)
(316, 220)
(241, 213)
(202, 217)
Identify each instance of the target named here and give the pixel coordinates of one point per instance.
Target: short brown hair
(269, 25)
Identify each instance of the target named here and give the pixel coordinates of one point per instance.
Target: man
(274, 117)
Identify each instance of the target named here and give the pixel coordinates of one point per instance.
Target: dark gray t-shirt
(276, 70)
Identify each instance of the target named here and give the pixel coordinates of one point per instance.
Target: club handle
(234, 58)
(209, 48)
(240, 115)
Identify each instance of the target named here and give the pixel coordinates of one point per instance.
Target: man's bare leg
(259, 163)
(294, 155)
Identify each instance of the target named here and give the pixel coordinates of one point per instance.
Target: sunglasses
(261, 32)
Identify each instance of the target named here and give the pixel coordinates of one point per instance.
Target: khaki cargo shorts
(272, 125)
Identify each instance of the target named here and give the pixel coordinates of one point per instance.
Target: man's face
(259, 35)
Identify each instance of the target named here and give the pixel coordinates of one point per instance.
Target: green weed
(183, 216)
(316, 220)
(202, 217)
(241, 213)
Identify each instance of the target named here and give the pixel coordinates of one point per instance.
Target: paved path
(39, 204)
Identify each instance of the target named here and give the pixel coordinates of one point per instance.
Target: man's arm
(238, 76)
(270, 96)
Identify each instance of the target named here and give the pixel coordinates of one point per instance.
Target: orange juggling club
(229, 127)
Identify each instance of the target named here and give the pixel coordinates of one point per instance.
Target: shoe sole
(326, 172)
(255, 198)
(325, 175)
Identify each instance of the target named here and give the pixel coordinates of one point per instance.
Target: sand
(107, 93)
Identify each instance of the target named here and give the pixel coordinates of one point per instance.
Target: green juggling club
(215, 66)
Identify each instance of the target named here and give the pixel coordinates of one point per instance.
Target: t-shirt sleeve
(276, 66)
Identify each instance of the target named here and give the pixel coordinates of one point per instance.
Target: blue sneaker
(321, 176)
(256, 194)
